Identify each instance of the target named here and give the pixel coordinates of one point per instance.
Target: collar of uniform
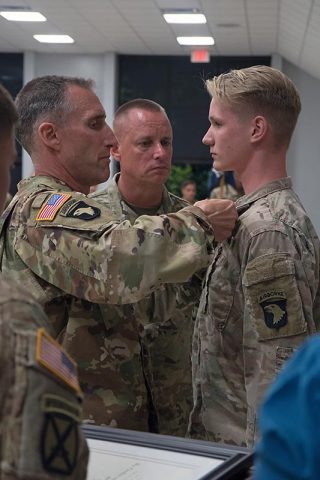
(115, 196)
(50, 182)
(244, 202)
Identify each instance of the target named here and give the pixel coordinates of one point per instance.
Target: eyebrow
(214, 119)
(97, 116)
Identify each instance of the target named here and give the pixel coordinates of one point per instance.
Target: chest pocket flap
(272, 296)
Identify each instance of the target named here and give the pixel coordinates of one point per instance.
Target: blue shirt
(290, 420)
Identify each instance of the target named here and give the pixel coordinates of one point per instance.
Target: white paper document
(118, 461)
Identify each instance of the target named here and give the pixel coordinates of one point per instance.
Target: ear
(259, 128)
(48, 133)
(115, 152)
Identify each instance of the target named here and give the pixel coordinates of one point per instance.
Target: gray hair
(44, 98)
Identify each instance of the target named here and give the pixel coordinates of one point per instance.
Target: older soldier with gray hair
(268, 271)
(40, 402)
(65, 247)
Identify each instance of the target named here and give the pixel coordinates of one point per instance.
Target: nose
(159, 150)
(208, 138)
(110, 139)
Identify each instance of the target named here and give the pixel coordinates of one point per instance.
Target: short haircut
(260, 90)
(137, 103)
(186, 183)
(8, 113)
(44, 99)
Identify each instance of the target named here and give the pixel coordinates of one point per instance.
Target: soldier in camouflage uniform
(66, 248)
(152, 370)
(261, 297)
(40, 402)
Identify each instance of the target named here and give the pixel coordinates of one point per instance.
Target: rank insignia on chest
(52, 205)
(274, 306)
(80, 210)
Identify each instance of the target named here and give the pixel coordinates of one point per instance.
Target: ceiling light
(184, 18)
(195, 40)
(53, 38)
(15, 16)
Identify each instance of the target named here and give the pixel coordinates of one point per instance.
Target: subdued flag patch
(54, 358)
(50, 208)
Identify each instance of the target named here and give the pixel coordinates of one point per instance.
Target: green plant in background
(180, 173)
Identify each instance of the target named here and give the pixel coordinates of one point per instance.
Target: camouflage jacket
(60, 243)
(40, 405)
(260, 301)
(138, 371)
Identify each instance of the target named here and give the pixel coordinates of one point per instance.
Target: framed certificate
(117, 454)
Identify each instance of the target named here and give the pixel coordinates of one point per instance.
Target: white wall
(304, 152)
(101, 68)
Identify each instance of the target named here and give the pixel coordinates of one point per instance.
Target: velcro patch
(50, 208)
(54, 358)
(80, 209)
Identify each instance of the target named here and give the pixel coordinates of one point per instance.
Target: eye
(167, 142)
(145, 143)
(96, 124)
(216, 123)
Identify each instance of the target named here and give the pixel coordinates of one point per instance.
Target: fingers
(221, 214)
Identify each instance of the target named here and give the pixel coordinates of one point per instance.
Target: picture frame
(131, 455)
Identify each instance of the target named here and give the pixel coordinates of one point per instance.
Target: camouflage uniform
(69, 251)
(260, 301)
(39, 407)
(147, 346)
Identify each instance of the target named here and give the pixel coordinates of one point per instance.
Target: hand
(222, 215)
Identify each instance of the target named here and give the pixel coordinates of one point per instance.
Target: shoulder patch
(51, 206)
(59, 443)
(80, 209)
(274, 306)
(53, 357)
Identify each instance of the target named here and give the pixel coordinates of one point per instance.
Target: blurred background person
(189, 191)
(224, 185)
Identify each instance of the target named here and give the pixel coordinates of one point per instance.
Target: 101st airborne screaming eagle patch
(274, 306)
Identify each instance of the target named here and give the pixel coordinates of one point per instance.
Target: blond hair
(260, 90)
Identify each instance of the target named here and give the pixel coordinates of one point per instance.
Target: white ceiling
(290, 28)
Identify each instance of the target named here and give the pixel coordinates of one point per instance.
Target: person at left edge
(40, 401)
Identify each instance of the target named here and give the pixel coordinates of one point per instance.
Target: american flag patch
(50, 208)
(54, 358)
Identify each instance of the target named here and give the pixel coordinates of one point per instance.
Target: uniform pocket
(221, 284)
(273, 298)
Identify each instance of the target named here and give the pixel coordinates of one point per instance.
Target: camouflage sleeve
(40, 435)
(279, 287)
(104, 261)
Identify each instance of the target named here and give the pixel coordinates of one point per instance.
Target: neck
(262, 171)
(140, 195)
(62, 175)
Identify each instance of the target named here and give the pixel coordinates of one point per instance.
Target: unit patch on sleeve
(274, 306)
(82, 210)
(54, 358)
(59, 444)
(50, 208)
